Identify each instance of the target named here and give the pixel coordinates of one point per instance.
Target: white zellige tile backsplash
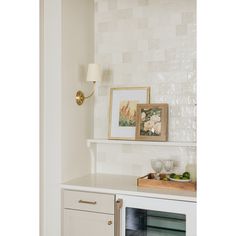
(147, 43)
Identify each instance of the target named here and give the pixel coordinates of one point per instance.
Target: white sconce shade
(94, 73)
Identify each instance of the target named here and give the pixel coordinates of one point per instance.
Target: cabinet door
(82, 223)
(171, 214)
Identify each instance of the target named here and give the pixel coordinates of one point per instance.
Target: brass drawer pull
(88, 202)
(109, 222)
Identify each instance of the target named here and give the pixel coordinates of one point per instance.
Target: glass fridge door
(141, 222)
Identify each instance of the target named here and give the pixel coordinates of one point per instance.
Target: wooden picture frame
(123, 110)
(152, 122)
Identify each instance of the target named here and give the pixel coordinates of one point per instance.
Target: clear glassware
(157, 166)
(168, 165)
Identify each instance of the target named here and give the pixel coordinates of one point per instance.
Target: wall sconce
(94, 75)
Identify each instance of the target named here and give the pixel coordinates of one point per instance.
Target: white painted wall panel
(66, 48)
(50, 117)
(77, 52)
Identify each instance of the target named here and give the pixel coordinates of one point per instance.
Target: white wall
(77, 52)
(50, 117)
(147, 43)
(66, 48)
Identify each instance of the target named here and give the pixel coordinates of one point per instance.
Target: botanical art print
(123, 111)
(127, 114)
(152, 121)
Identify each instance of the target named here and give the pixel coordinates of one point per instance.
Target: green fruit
(185, 178)
(186, 175)
(181, 176)
(177, 177)
(172, 175)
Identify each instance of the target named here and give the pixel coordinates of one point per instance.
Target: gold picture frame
(152, 122)
(123, 109)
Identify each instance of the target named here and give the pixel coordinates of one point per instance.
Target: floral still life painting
(152, 120)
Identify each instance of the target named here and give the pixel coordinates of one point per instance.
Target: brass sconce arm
(80, 97)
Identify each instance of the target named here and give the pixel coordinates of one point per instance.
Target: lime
(172, 175)
(186, 175)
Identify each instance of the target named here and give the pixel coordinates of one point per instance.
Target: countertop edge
(126, 192)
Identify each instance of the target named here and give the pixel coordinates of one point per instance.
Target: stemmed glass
(157, 166)
(168, 165)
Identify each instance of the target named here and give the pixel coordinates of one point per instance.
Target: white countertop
(121, 184)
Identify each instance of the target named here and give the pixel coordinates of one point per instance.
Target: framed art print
(123, 110)
(152, 122)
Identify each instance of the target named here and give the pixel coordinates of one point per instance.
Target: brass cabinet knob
(109, 222)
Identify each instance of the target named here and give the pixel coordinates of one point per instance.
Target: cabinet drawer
(87, 201)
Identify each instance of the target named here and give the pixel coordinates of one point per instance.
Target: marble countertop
(121, 184)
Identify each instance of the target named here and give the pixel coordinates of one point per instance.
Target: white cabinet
(108, 205)
(83, 223)
(88, 214)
